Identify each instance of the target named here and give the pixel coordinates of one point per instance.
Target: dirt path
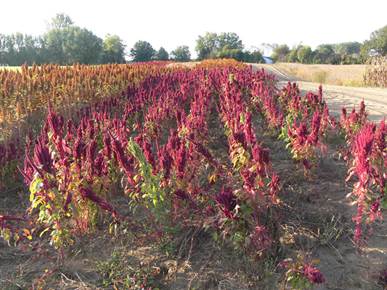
(339, 96)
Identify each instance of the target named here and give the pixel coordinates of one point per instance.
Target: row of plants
(305, 125)
(180, 146)
(366, 156)
(26, 93)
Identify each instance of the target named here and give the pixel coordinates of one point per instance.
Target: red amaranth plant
(368, 162)
(305, 125)
(301, 274)
(156, 143)
(352, 123)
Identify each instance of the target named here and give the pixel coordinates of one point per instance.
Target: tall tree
(206, 45)
(229, 40)
(162, 54)
(304, 54)
(325, 53)
(73, 45)
(211, 44)
(181, 53)
(280, 52)
(17, 49)
(61, 21)
(348, 52)
(347, 48)
(378, 42)
(292, 55)
(254, 56)
(142, 51)
(113, 49)
(82, 46)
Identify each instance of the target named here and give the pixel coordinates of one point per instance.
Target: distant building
(268, 60)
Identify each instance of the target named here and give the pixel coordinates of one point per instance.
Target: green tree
(63, 43)
(347, 48)
(181, 53)
(73, 44)
(54, 40)
(66, 43)
(17, 49)
(240, 55)
(293, 55)
(113, 49)
(325, 53)
(253, 57)
(162, 54)
(304, 54)
(378, 42)
(348, 52)
(206, 45)
(142, 51)
(211, 45)
(280, 53)
(364, 52)
(234, 53)
(61, 21)
(8, 50)
(82, 46)
(229, 40)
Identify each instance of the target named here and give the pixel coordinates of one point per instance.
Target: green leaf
(384, 203)
(35, 186)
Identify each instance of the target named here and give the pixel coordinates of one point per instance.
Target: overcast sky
(170, 23)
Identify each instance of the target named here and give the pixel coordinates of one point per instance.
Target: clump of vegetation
(225, 45)
(376, 72)
(301, 274)
(119, 272)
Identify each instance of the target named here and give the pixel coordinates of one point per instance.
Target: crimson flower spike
(313, 274)
(107, 145)
(227, 201)
(87, 193)
(380, 136)
(320, 93)
(120, 155)
(28, 175)
(165, 160)
(54, 121)
(42, 157)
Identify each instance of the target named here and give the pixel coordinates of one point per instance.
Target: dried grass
(342, 75)
(376, 72)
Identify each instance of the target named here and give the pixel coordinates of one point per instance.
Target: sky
(170, 23)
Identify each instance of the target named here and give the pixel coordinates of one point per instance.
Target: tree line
(210, 45)
(65, 43)
(339, 53)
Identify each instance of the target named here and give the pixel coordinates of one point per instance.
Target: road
(339, 96)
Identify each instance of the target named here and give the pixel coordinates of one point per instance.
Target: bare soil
(315, 219)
